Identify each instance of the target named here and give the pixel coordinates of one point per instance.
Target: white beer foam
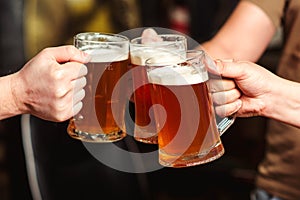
(177, 75)
(107, 55)
(139, 57)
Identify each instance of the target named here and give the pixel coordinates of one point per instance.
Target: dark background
(64, 165)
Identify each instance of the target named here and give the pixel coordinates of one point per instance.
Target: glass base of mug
(187, 161)
(95, 137)
(149, 140)
(147, 136)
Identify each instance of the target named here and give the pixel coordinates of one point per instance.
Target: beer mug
(101, 118)
(188, 132)
(145, 129)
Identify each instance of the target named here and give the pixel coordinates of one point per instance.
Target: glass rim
(81, 37)
(197, 52)
(134, 40)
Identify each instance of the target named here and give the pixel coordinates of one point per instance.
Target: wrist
(18, 94)
(284, 103)
(8, 105)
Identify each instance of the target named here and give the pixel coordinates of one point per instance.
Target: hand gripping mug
(188, 132)
(101, 118)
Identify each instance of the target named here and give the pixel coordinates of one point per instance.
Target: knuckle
(71, 49)
(59, 92)
(61, 110)
(58, 74)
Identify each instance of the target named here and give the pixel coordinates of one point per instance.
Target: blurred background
(28, 26)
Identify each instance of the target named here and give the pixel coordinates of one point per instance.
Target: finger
(78, 96)
(217, 85)
(226, 97)
(149, 35)
(67, 53)
(76, 108)
(229, 69)
(74, 70)
(228, 109)
(79, 84)
(149, 32)
(69, 79)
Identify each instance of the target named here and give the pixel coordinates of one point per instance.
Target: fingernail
(218, 62)
(87, 57)
(228, 60)
(238, 104)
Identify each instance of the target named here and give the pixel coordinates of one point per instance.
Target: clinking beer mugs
(175, 90)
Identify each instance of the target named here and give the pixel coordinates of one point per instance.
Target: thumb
(228, 68)
(149, 35)
(68, 53)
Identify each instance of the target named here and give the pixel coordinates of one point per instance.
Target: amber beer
(188, 133)
(145, 128)
(101, 118)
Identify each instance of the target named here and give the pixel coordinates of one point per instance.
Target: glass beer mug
(101, 118)
(188, 131)
(145, 129)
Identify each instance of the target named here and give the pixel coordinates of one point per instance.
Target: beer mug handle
(225, 123)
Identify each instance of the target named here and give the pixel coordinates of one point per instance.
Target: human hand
(254, 86)
(50, 85)
(149, 35)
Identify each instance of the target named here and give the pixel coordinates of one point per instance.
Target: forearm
(217, 51)
(241, 37)
(284, 105)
